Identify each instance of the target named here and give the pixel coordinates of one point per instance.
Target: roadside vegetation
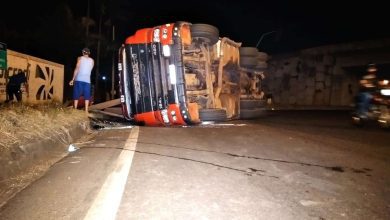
(22, 123)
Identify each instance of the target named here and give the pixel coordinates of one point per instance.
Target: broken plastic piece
(72, 148)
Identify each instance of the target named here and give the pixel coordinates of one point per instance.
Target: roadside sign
(3, 56)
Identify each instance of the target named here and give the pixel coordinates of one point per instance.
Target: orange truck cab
(152, 79)
(180, 74)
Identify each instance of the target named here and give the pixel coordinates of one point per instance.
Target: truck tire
(262, 103)
(252, 113)
(247, 61)
(261, 56)
(252, 103)
(261, 65)
(205, 32)
(248, 103)
(248, 51)
(212, 114)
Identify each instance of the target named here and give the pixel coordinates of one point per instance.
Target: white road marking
(108, 200)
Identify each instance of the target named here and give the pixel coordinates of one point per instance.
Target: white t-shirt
(85, 68)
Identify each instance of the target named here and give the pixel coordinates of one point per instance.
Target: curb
(16, 164)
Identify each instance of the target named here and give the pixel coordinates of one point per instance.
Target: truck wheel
(248, 51)
(252, 103)
(261, 56)
(246, 61)
(206, 32)
(261, 65)
(262, 103)
(212, 114)
(248, 104)
(252, 113)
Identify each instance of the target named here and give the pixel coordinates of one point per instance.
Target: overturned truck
(183, 74)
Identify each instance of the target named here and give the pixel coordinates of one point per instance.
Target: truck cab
(179, 74)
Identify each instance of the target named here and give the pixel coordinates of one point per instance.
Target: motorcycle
(379, 110)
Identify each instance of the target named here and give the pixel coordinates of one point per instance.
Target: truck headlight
(172, 73)
(156, 35)
(166, 51)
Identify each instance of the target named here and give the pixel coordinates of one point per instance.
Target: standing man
(14, 86)
(81, 80)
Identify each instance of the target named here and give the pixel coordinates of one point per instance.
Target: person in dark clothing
(367, 87)
(14, 86)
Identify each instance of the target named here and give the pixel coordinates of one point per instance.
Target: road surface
(289, 165)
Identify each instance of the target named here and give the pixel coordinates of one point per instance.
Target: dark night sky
(298, 25)
(52, 30)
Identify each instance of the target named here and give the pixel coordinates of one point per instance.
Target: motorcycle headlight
(385, 92)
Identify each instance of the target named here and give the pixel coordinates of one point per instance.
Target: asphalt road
(289, 165)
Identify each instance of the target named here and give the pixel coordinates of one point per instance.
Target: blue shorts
(81, 89)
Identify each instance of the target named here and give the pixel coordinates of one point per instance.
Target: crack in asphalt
(331, 168)
(249, 171)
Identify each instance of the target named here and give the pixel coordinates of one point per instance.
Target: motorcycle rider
(368, 85)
